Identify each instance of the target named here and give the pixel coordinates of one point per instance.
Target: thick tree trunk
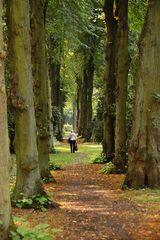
(110, 81)
(122, 67)
(28, 181)
(5, 206)
(40, 80)
(144, 155)
(84, 96)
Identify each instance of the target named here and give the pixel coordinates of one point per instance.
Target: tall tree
(5, 206)
(109, 79)
(144, 154)
(85, 104)
(40, 79)
(121, 70)
(56, 93)
(28, 181)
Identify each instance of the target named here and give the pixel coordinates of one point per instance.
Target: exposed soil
(93, 207)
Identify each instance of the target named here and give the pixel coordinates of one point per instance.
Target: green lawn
(85, 153)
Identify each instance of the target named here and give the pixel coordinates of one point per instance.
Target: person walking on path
(72, 138)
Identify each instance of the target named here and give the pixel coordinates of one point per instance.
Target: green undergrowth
(24, 231)
(86, 154)
(54, 166)
(108, 168)
(99, 159)
(39, 201)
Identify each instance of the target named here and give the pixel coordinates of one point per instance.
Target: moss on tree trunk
(144, 154)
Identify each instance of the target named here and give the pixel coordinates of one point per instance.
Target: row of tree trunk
(144, 151)
(116, 77)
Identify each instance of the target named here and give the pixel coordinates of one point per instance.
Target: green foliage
(108, 168)
(99, 159)
(54, 166)
(39, 201)
(35, 233)
(23, 203)
(64, 157)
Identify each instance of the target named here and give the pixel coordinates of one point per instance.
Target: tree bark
(122, 67)
(144, 154)
(110, 81)
(89, 79)
(56, 94)
(79, 100)
(28, 181)
(40, 80)
(5, 206)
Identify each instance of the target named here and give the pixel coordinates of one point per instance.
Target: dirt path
(95, 208)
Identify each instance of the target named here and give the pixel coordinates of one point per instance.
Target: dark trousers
(72, 145)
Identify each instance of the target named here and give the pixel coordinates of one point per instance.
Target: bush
(108, 168)
(99, 159)
(35, 233)
(53, 166)
(38, 201)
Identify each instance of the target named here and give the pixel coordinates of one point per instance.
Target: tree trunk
(28, 180)
(89, 79)
(74, 106)
(5, 206)
(83, 101)
(144, 155)
(40, 80)
(122, 67)
(79, 100)
(110, 81)
(56, 98)
(51, 131)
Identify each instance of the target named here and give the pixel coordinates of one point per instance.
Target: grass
(86, 153)
(145, 195)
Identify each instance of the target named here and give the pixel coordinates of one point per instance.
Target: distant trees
(85, 86)
(5, 206)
